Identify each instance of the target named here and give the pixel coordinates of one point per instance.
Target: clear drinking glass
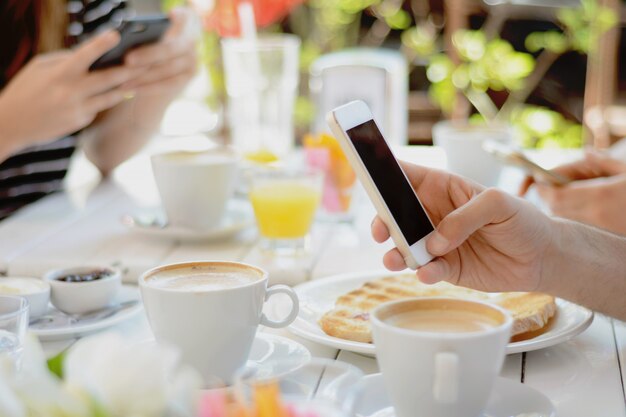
(261, 82)
(13, 325)
(285, 203)
(322, 387)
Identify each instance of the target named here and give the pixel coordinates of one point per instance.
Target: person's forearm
(587, 266)
(119, 133)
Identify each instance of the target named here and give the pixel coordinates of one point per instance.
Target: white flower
(141, 380)
(34, 391)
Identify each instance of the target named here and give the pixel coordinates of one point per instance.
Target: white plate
(152, 223)
(508, 399)
(318, 296)
(72, 331)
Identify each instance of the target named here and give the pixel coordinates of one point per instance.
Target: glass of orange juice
(285, 203)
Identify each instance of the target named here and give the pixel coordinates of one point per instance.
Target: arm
(587, 266)
(166, 68)
(491, 241)
(72, 96)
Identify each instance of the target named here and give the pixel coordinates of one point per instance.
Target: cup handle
(446, 378)
(295, 307)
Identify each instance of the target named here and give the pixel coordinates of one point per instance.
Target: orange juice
(285, 208)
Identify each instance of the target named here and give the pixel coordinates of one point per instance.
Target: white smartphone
(384, 180)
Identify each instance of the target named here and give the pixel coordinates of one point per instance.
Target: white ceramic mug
(438, 373)
(465, 155)
(213, 327)
(195, 186)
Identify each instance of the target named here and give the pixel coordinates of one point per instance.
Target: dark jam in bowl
(94, 275)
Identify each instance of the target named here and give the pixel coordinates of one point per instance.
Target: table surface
(582, 377)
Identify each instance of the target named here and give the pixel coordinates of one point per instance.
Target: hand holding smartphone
(134, 32)
(384, 180)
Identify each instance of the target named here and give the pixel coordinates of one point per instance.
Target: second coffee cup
(195, 187)
(440, 356)
(210, 311)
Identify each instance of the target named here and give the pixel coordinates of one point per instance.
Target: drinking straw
(248, 30)
(247, 23)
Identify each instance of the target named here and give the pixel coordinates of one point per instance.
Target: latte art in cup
(203, 279)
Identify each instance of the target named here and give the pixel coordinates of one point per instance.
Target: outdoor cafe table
(583, 377)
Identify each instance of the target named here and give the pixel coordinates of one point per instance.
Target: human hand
(55, 94)
(598, 201)
(485, 239)
(593, 165)
(167, 65)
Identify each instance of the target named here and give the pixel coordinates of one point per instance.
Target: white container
(36, 291)
(377, 76)
(83, 297)
(463, 145)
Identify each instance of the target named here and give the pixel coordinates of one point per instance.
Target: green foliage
(396, 18)
(55, 364)
(485, 65)
(539, 127)
(168, 5)
(420, 39)
(304, 111)
(582, 27)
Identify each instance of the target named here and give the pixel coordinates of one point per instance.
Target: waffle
(350, 317)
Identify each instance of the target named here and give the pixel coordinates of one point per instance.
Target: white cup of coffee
(210, 311)
(440, 356)
(195, 187)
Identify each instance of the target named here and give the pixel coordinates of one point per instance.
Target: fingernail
(438, 244)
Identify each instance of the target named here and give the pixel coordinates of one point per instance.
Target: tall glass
(13, 325)
(261, 82)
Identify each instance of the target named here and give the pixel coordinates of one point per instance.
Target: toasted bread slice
(350, 317)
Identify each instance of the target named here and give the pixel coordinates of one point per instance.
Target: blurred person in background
(49, 101)
(597, 194)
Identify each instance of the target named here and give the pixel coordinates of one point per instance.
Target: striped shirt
(39, 170)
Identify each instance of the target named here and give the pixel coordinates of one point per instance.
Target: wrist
(555, 259)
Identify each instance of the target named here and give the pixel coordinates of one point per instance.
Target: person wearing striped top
(49, 101)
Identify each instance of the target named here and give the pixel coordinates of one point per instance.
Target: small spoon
(70, 319)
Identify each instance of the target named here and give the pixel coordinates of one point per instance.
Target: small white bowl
(35, 290)
(82, 297)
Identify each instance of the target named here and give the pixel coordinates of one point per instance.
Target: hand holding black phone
(134, 32)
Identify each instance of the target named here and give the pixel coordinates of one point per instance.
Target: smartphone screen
(390, 181)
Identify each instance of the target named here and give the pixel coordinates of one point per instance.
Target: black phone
(136, 31)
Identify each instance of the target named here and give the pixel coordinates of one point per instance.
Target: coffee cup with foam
(195, 187)
(440, 356)
(210, 311)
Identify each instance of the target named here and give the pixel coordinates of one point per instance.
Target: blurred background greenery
(530, 73)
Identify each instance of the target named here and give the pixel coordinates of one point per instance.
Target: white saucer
(508, 399)
(152, 223)
(273, 355)
(61, 329)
